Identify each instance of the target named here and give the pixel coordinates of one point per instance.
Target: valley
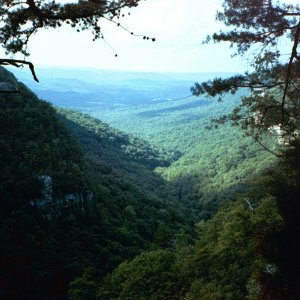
(213, 163)
(166, 212)
(178, 179)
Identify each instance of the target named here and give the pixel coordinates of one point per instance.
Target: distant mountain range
(92, 88)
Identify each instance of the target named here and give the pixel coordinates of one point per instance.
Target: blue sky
(179, 27)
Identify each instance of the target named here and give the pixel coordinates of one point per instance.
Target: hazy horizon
(179, 28)
(72, 72)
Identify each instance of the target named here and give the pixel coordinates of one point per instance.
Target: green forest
(166, 220)
(160, 194)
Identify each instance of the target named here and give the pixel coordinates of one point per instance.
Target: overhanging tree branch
(18, 63)
(19, 20)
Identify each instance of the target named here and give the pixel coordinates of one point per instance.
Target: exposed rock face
(7, 87)
(47, 186)
(56, 205)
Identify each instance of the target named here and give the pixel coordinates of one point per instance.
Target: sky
(179, 27)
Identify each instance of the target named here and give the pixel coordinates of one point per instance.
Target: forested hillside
(33, 144)
(190, 213)
(214, 164)
(131, 157)
(44, 248)
(246, 251)
(210, 166)
(121, 192)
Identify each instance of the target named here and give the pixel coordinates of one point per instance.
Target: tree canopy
(267, 32)
(22, 19)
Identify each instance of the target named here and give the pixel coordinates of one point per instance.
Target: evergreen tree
(260, 27)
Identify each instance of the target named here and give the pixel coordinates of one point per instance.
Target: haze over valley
(207, 167)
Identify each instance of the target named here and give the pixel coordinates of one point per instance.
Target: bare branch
(18, 63)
